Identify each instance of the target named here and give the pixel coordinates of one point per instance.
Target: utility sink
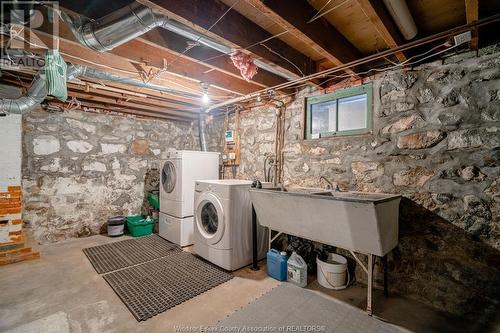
(358, 221)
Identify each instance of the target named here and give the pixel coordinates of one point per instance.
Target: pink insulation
(245, 64)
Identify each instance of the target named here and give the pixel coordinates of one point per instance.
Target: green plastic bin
(154, 200)
(138, 226)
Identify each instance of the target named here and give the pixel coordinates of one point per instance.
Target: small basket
(138, 226)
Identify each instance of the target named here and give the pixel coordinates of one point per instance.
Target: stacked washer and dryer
(178, 175)
(214, 215)
(223, 223)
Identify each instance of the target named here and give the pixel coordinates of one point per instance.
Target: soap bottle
(297, 270)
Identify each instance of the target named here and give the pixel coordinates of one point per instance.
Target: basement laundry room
(250, 166)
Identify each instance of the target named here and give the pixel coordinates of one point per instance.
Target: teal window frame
(343, 93)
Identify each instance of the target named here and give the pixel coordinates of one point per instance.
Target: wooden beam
(319, 35)
(137, 51)
(109, 101)
(210, 57)
(153, 55)
(104, 99)
(174, 44)
(75, 53)
(140, 114)
(381, 20)
(150, 93)
(234, 30)
(93, 90)
(472, 15)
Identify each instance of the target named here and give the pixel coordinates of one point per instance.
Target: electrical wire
(282, 57)
(350, 75)
(196, 42)
(318, 15)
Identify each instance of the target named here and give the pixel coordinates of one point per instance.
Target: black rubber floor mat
(110, 257)
(156, 286)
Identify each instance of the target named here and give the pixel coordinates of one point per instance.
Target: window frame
(335, 95)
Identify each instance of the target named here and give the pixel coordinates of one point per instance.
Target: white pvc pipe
(402, 16)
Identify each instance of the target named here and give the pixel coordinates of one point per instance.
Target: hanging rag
(55, 72)
(245, 64)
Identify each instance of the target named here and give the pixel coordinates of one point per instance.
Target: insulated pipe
(402, 16)
(135, 20)
(36, 93)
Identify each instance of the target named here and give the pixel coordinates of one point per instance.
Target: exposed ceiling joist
(175, 45)
(75, 53)
(127, 111)
(120, 103)
(234, 30)
(138, 51)
(381, 20)
(113, 100)
(188, 110)
(207, 56)
(472, 15)
(320, 35)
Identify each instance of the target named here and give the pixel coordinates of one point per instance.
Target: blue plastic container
(276, 265)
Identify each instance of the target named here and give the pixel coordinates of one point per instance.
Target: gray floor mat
(110, 257)
(156, 286)
(292, 307)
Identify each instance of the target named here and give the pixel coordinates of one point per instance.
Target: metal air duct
(135, 20)
(36, 93)
(202, 128)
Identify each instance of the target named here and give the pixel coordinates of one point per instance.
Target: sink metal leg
(386, 277)
(255, 258)
(370, 285)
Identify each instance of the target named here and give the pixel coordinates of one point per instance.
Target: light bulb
(205, 99)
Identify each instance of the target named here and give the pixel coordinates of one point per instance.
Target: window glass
(352, 113)
(323, 117)
(342, 112)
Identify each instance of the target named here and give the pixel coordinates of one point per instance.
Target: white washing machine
(223, 223)
(177, 177)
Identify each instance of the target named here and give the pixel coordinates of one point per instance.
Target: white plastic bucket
(332, 273)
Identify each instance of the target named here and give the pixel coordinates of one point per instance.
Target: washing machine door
(168, 177)
(210, 218)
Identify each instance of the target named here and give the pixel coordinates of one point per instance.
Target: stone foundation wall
(80, 168)
(435, 141)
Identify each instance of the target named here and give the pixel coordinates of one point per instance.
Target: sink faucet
(330, 184)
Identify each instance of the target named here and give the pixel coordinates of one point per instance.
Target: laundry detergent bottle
(297, 270)
(276, 265)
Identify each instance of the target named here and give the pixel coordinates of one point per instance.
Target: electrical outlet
(464, 37)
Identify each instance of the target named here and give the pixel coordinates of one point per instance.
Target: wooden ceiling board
(433, 16)
(272, 27)
(350, 20)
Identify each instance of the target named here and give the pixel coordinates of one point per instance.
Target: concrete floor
(63, 284)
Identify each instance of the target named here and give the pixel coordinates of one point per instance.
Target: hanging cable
(318, 15)
(196, 42)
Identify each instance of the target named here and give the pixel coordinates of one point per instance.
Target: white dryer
(177, 177)
(223, 223)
